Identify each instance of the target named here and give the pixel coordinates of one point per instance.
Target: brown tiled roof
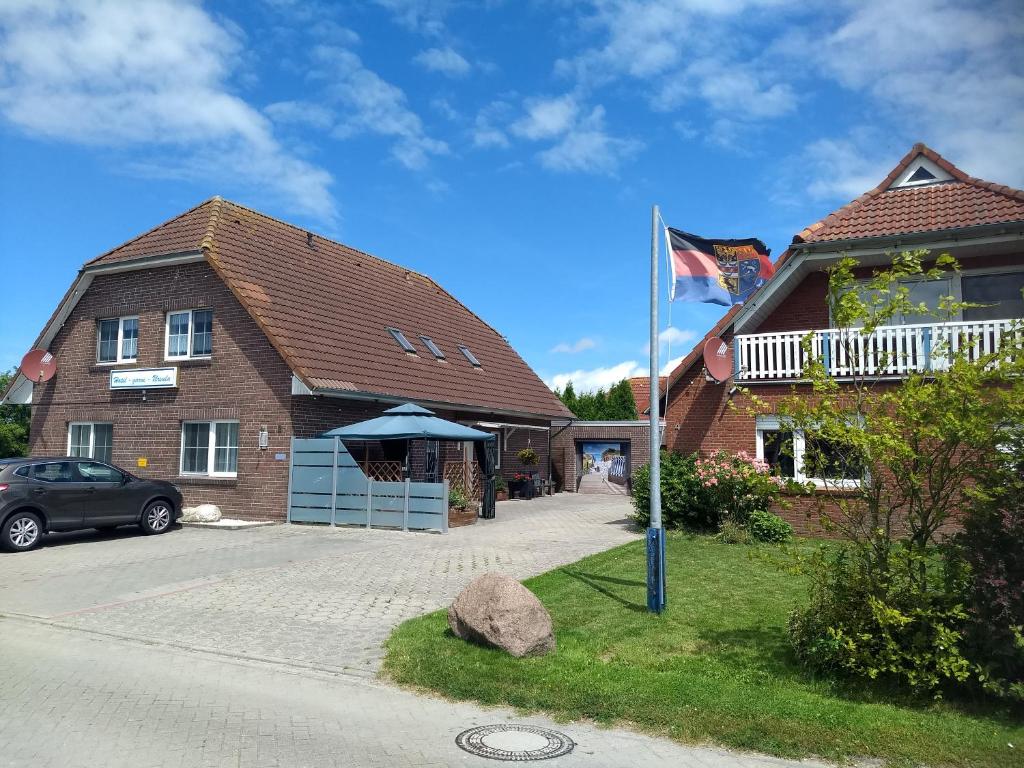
(962, 202)
(641, 386)
(326, 307)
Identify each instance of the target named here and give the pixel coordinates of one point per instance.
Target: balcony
(890, 352)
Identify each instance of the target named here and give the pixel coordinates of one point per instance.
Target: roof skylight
(434, 349)
(403, 342)
(469, 356)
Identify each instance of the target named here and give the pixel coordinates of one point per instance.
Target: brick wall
(245, 380)
(564, 444)
(699, 417)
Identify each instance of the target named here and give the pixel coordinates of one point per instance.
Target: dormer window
(403, 342)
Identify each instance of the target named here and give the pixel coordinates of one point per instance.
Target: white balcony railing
(891, 351)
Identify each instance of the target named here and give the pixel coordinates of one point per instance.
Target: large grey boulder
(499, 611)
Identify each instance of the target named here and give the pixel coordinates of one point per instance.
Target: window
(1000, 291)
(189, 334)
(117, 340)
(434, 349)
(469, 356)
(792, 454)
(23, 471)
(403, 342)
(54, 472)
(91, 441)
(209, 448)
(94, 472)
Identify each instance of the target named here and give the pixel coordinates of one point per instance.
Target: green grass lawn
(716, 667)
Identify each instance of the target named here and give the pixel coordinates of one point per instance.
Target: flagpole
(655, 532)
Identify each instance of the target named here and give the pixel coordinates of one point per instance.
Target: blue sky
(511, 150)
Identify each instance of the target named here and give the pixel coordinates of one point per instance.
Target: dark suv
(68, 494)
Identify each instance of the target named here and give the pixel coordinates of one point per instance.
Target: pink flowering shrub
(701, 493)
(738, 484)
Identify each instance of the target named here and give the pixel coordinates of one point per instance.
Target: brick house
(925, 202)
(196, 351)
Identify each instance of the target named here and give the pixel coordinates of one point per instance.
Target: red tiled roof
(641, 386)
(962, 202)
(325, 307)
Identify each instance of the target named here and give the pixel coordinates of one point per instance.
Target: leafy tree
(883, 604)
(14, 423)
(621, 405)
(615, 404)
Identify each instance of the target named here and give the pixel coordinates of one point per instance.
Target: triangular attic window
(921, 174)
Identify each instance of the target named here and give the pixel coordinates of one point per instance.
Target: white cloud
(580, 345)
(155, 79)
(657, 42)
(446, 60)
(546, 118)
(593, 379)
(485, 132)
(588, 148)
(375, 106)
(300, 113)
(423, 16)
(673, 335)
(841, 169)
(944, 71)
(671, 365)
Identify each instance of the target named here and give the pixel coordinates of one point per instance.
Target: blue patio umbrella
(408, 422)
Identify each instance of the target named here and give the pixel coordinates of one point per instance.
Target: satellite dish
(38, 366)
(718, 359)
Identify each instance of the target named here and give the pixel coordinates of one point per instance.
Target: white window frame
(211, 449)
(191, 334)
(120, 340)
(775, 424)
(92, 438)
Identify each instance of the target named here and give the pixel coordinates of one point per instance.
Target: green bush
(768, 527)
(990, 549)
(865, 625)
(500, 485)
(685, 502)
(700, 493)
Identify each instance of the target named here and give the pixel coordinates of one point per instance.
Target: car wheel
(157, 517)
(21, 532)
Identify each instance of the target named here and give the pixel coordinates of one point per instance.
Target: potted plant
(500, 489)
(460, 508)
(521, 486)
(528, 457)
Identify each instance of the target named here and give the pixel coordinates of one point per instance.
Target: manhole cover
(516, 743)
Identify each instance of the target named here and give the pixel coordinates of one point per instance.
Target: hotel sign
(144, 378)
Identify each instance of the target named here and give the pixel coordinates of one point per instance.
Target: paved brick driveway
(297, 594)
